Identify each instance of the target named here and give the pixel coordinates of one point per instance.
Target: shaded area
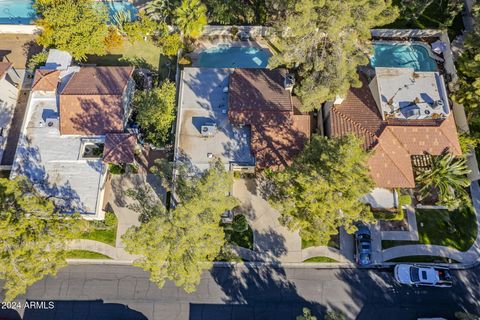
(82, 310)
(255, 293)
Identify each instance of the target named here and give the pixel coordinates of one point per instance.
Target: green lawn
(456, 229)
(431, 18)
(85, 254)
(320, 259)
(388, 215)
(141, 53)
(103, 231)
(333, 243)
(425, 259)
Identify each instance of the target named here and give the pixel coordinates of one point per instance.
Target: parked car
(418, 275)
(363, 246)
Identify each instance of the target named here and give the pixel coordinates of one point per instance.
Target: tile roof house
(4, 67)
(74, 124)
(262, 99)
(398, 115)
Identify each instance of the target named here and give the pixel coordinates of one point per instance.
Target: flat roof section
(203, 101)
(54, 163)
(407, 94)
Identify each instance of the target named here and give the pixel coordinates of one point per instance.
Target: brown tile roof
(279, 131)
(91, 102)
(4, 67)
(392, 144)
(45, 80)
(98, 81)
(119, 148)
(259, 90)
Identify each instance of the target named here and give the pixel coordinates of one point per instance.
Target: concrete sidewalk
(471, 256)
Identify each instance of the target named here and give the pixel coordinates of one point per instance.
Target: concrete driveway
(272, 241)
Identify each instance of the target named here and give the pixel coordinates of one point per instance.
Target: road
(124, 293)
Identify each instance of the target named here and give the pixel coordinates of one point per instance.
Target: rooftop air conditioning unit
(438, 104)
(209, 129)
(51, 122)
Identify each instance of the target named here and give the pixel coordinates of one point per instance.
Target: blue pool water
(22, 12)
(225, 56)
(16, 12)
(414, 56)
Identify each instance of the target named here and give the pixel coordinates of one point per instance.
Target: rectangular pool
(226, 56)
(22, 11)
(403, 55)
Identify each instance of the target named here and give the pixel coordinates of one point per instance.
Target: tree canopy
(77, 26)
(32, 236)
(191, 17)
(448, 178)
(468, 67)
(325, 41)
(155, 112)
(179, 245)
(321, 190)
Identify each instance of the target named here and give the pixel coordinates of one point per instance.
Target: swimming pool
(402, 55)
(226, 56)
(16, 12)
(22, 12)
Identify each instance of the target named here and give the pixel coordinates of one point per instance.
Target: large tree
(321, 190)
(447, 176)
(180, 244)
(33, 237)
(468, 67)
(77, 26)
(325, 41)
(155, 112)
(191, 17)
(161, 10)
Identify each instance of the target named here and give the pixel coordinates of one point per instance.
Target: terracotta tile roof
(4, 67)
(119, 148)
(98, 81)
(279, 130)
(91, 102)
(45, 80)
(259, 89)
(392, 144)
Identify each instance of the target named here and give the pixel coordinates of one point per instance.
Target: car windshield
(414, 274)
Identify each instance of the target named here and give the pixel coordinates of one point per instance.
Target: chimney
(338, 100)
(289, 81)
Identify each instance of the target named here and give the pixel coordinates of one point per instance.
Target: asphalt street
(226, 293)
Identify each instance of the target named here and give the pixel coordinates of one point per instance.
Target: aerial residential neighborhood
(224, 159)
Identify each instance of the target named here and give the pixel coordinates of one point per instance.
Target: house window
(92, 150)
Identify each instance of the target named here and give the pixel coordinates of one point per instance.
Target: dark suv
(363, 246)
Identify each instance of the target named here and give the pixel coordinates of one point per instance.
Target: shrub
(240, 223)
(37, 60)
(116, 169)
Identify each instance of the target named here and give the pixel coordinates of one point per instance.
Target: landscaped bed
(456, 229)
(334, 242)
(320, 259)
(85, 254)
(239, 232)
(103, 231)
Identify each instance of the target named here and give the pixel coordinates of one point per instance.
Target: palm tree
(448, 177)
(161, 10)
(191, 17)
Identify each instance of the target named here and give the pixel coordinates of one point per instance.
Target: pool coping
(426, 46)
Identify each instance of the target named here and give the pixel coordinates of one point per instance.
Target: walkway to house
(116, 200)
(468, 257)
(274, 242)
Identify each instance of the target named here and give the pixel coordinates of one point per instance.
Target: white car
(418, 275)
